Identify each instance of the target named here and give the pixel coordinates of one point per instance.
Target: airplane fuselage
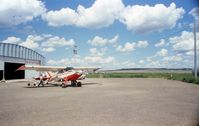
(71, 75)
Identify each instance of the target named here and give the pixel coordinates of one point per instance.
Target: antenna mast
(75, 55)
(195, 50)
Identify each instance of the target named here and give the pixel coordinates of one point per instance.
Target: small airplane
(59, 74)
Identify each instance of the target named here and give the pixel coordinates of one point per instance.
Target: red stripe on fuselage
(72, 77)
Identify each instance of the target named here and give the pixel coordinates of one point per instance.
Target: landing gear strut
(73, 83)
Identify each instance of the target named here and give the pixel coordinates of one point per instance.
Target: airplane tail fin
(21, 68)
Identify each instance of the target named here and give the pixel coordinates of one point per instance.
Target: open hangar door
(1, 74)
(11, 73)
(1, 69)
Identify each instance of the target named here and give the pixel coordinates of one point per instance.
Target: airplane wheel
(63, 86)
(79, 84)
(28, 84)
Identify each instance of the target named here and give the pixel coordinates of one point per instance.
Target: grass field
(185, 77)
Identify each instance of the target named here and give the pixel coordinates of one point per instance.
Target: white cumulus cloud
(172, 58)
(50, 49)
(101, 14)
(30, 42)
(82, 61)
(58, 42)
(141, 61)
(161, 43)
(65, 16)
(162, 52)
(14, 12)
(44, 42)
(184, 42)
(61, 62)
(142, 44)
(128, 47)
(99, 41)
(96, 52)
(114, 39)
(195, 13)
(12, 39)
(99, 59)
(151, 18)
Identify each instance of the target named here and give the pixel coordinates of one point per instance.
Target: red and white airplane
(59, 74)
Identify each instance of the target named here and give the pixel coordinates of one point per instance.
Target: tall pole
(195, 51)
(75, 54)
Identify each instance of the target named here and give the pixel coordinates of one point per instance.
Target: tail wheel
(79, 84)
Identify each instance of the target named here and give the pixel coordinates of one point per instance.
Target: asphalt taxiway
(101, 102)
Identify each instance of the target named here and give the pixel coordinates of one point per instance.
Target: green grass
(185, 77)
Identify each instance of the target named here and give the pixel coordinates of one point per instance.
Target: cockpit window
(61, 71)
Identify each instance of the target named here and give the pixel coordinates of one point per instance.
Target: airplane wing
(40, 68)
(55, 68)
(87, 68)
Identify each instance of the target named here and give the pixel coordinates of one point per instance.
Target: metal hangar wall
(12, 56)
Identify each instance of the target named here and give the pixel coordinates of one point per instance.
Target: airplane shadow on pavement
(90, 83)
(58, 85)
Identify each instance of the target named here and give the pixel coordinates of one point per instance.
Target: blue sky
(111, 34)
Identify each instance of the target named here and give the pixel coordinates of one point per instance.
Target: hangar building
(12, 56)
